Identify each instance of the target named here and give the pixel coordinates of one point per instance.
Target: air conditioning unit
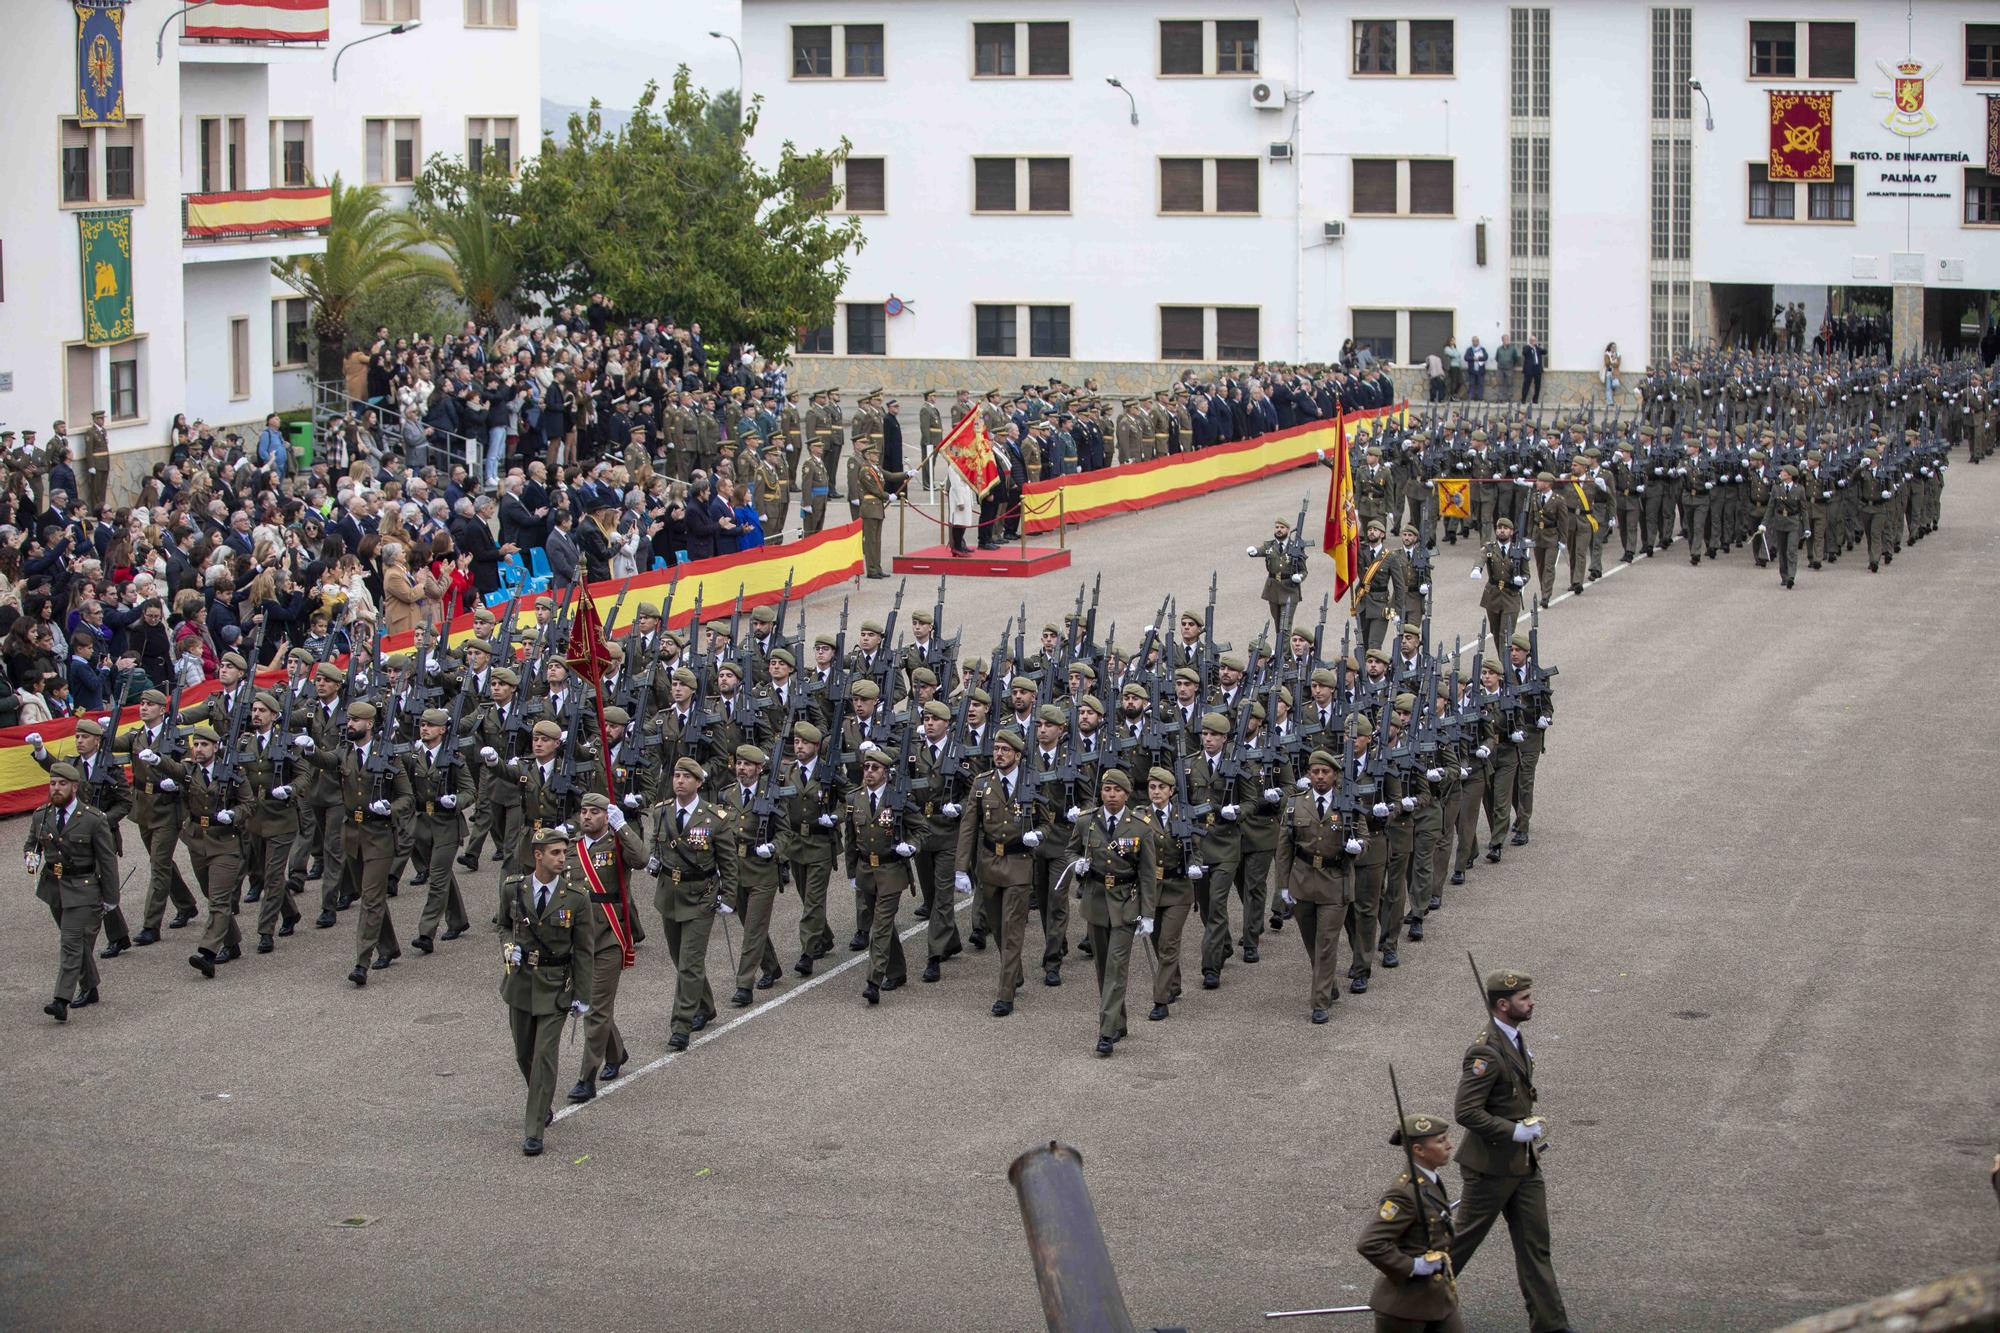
(1267, 95)
(1336, 231)
(1281, 152)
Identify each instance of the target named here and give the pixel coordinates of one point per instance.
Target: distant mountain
(555, 117)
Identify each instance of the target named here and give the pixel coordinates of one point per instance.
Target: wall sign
(1905, 92)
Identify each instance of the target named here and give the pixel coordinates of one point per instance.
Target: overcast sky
(608, 49)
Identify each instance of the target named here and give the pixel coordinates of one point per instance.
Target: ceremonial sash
(613, 911)
(1584, 500)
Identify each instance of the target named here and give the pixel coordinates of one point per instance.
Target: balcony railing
(258, 21)
(249, 215)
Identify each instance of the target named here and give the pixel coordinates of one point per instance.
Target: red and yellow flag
(1342, 539)
(1801, 136)
(969, 449)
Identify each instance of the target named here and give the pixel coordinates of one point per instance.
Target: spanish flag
(1342, 539)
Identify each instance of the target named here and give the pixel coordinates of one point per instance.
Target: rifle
(992, 675)
(1180, 826)
(1417, 1185)
(99, 773)
(1295, 544)
(1089, 645)
(883, 673)
(837, 675)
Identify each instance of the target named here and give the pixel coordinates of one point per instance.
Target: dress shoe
(1211, 980)
(1250, 954)
(922, 914)
(1358, 986)
(382, 962)
(1277, 922)
(84, 999)
(345, 901)
(740, 997)
(872, 993)
(229, 953)
(265, 944)
(288, 925)
(453, 932)
(931, 970)
(768, 980)
(1416, 931)
(325, 919)
(1389, 958)
(1437, 903)
(1104, 1048)
(1156, 1013)
(1493, 853)
(700, 1021)
(878, 576)
(181, 918)
(1051, 977)
(1576, 590)
(1458, 877)
(531, 1146)
(952, 951)
(113, 949)
(977, 939)
(316, 870)
(858, 943)
(57, 1009)
(609, 1072)
(422, 944)
(1625, 559)
(469, 862)
(203, 961)
(359, 976)
(1002, 1008)
(582, 1092)
(253, 895)
(146, 937)
(894, 983)
(678, 1042)
(1319, 1015)
(1519, 839)
(1083, 947)
(804, 967)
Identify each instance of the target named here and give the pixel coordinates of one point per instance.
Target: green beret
(300, 655)
(269, 700)
(865, 689)
(1118, 778)
(1325, 676)
(1321, 758)
(874, 625)
(361, 709)
(236, 660)
(1787, 471)
(1285, 694)
(1190, 618)
(784, 655)
(763, 615)
(90, 726)
(1160, 775)
(752, 754)
(921, 617)
(1188, 674)
(404, 661)
(436, 717)
(1413, 629)
(65, 770)
(1052, 628)
(1084, 669)
(1419, 1126)
(1053, 714)
(938, 708)
(1375, 526)
(479, 646)
(1093, 703)
(1135, 688)
(1359, 725)
(1479, 437)
(684, 676)
(1502, 521)
(1378, 655)
(872, 753)
(594, 800)
(614, 716)
(690, 767)
(649, 609)
(504, 676)
(923, 676)
(550, 837)
(1010, 738)
(1022, 683)
(807, 732)
(1256, 710)
(482, 615)
(825, 641)
(1234, 661)
(1215, 722)
(979, 696)
(1403, 703)
(1521, 641)
(548, 729)
(1507, 982)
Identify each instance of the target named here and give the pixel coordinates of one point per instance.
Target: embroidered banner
(106, 238)
(100, 63)
(1993, 134)
(1801, 136)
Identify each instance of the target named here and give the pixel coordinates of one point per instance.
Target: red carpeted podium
(1009, 562)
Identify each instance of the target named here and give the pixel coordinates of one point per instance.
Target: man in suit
(1499, 1160)
(1531, 372)
(547, 969)
(892, 437)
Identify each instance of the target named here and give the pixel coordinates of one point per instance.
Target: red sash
(614, 913)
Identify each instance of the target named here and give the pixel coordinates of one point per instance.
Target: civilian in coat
(472, 534)
(564, 555)
(892, 439)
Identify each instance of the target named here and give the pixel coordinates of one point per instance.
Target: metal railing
(437, 448)
(264, 232)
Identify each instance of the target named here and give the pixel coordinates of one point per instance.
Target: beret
(1119, 778)
(436, 717)
(752, 754)
(808, 733)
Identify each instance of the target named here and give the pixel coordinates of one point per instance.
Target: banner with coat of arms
(106, 236)
(1801, 136)
(1993, 134)
(100, 62)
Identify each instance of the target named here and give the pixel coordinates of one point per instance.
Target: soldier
(997, 836)
(875, 486)
(441, 789)
(1211, 782)
(324, 815)
(930, 432)
(607, 849)
(1529, 736)
(96, 460)
(1410, 1238)
(1052, 909)
(212, 830)
(936, 862)
(272, 799)
(815, 489)
(760, 870)
(1118, 885)
(883, 842)
(1503, 565)
(546, 969)
(810, 838)
(500, 730)
(158, 812)
(1499, 1160)
(543, 802)
(1317, 845)
(71, 855)
(374, 793)
(1284, 572)
(1628, 494)
(1371, 863)
(105, 789)
(1787, 515)
(694, 872)
(1550, 524)
(1379, 593)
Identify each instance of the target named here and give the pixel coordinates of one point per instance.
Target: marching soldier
(545, 969)
(607, 849)
(273, 822)
(75, 865)
(1504, 567)
(1529, 737)
(1284, 572)
(375, 794)
(213, 833)
(1410, 1238)
(936, 851)
(1118, 885)
(883, 843)
(501, 731)
(1315, 865)
(760, 871)
(1219, 854)
(1173, 892)
(326, 822)
(1787, 514)
(1380, 591)
(1550, 523)
(104, 788)
(440, 790)
(811, 838)
(158, 812)
(694, 872)
(997, 836)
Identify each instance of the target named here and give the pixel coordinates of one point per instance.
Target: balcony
(229, 225)
(254, 32)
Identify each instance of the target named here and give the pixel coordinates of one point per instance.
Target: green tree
(469, 220)
(367, 247)
(671, 216)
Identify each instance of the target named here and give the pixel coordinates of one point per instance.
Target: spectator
(1531, 371)
(1434, 372)
(1612, 362)
(1475, 369)
(1505, 361)
(563, 552)
(1454, 369)
(749, 527)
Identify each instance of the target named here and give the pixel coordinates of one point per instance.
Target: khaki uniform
(368, 841)
(1409, 1222)
(215, 848)
(874, 485)
(1314, 866)
(78, 879)
(158, 814)
(694, 866)
(554, 970)
(1121, 886)
(810, 848)
(613, 858)
(759, 881)
(1000, 864)
(882, 876)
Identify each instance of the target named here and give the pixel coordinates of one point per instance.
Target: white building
(1270, 178)
(240, 101)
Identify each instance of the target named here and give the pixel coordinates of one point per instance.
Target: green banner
(107, 275)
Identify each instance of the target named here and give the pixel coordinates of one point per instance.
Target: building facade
(1147, 182)
(233, 125)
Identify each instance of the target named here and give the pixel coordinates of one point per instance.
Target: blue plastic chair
(499, 597)
(659, 562)
(538, 560)
(511, 565)
(537, 584)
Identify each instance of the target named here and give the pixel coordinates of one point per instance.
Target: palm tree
(367, 246)
(477, 257)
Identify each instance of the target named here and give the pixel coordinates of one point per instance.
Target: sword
(1325, 1309)
(725, 911)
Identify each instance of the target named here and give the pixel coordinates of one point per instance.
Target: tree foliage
(368, 247)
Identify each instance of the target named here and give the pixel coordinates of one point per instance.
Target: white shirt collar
(1512, 1034)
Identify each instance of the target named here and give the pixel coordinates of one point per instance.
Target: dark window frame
(1374, 44)
(1177, 315)
(995, 330)
(1774, 49)
(1048, 324)
(873, 324)
(1429, 44)
(815, 62)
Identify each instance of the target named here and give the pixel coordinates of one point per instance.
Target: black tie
(937, 755)
(1519, 1045)
(1322, 807)
(541, 899)
(746, 798)
(1110, 823)
(62, 820)
(682, 821)
(874, 802)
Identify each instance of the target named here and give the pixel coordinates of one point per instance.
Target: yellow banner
(1454, 497)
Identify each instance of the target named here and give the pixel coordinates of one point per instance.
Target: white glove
(825, 821)
(449, 800)
(764, 851)
(1423, 1266)
(1272, 796)
(34, 738)
(224, 817)
(1807, 532)
(1526, 1133)
(1304, 783)
(379, 807)
(1641, 490)
(1354, 846)
(1484, 752)
(1409, 802)
(1229, 812)
(1520, 580)
(653, 865)
(962, 882)
(1298, 578)
(1080, 866)
(579, 1008)
(615, 817)
(305, 743)
(1197, 870)
(1381, 811)
(951, 809)
(1517, 736)
(168, 784)
(1320, 454)
(567, 830)
(1885, 495)
(1708, 485)
(1423, 588)
(1032, 838)
(630, 803)
(904, 849)
(149, 757)
(1760, 527)
(1145, 925)
(488, 754)
(1464, 772)
(1251, 550)
(1070, 814)
(283, 793)
(1478, 574)
(1434, 774)
(1543, 722)
(565, 736)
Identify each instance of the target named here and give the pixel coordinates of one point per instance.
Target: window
(1374, 186)
(289, 347)
(239, 357)
(291, 153)
(102, 165)
(1236, 185)
(1048, 50)
(397, 11)
(75, 163)
(1376, 331)
(1208, 185)
(865, 191)
(489, 13)
(1830, 50)
(816, 342)
(1431, 46)
(993, 330)
(999, 184)
(1181, 333)
(1430, 330)
(864, 50)
(1832, 201)
(812, 51)
(1374, 46)
(392, 152)
(994, 46)
(1235, 335)
(1430, 187)
(1181, 184)
(121, 162)
(867, 330)
(489, 143)
(1181, 46)
(1236, 46)
(1048, 330)
(1770, 201)
(1187, 333)
(1208, 46)
(1774, 50)
(1982, 52)
(1982, 198)
(992, 50)
(126, 401)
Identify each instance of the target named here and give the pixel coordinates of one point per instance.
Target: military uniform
(368, 837)
(693, 867)
(1315, 866)
(1283, 573)
(546, 969)
(273, 826)
(1409, 1238)
(158, 813)
(612, 858)
(215, 849)
(1118, 885)
(75, 866)
(441, 790)
(1380, 594)
(1002, 822)
(759, 879)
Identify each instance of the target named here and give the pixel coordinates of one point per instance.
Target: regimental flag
(1454, 497)
(587, 653)
(106, 263)
(260, 20)
(100, 62)
(969, 449)
(1993, 134)
(1801, 136)
(1342, 538)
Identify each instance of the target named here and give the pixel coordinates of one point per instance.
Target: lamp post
(160, 46)
(1128, 97)
(396, 31)
(1708, 108)
(723, 36)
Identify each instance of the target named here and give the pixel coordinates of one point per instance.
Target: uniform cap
(1118, 778)
(690, 767)
(1414, 630)
(66, 770)
(1522, 642)
(1053, 714)
(684, 676)
(548, 729)
(938, 708)
(1359, 725)
(1135, 688)
(614, 716)
(550, 837)
(1404, 703)
(505, 676)
(923, 676)
(1417, 1127)
(1215, 722)
(299, 655)
(874, 625)
(436, 717)
(592, 800)
(90, 726)
(825, 641)
(269, 700)
(1507, 982)
(752, 754)
(362, 710)
(865, 689)
(1320, 758)
(808, 733)
(763, 615)
(479, 646)
(1010, 738)
(875, 754)
(784, 655)
(1093, 703)
(1022, 683)
(1084, 669)
(1188, 674)
(1378, 655)
(1160, 775)
(1325, 676)
(979, 696)
(1502, 521)
(649, 609)
(1234, 661)
(921, 617)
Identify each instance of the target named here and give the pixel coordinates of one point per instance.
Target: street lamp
(160, 46)
(396, 31)
(739, 74)
(1708, 108)
(1128, 97)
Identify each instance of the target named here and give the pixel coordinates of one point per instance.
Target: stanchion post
(902, 523)
(1062, 521)
(1024, 527)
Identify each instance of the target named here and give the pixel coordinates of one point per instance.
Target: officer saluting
(71, 855)
(546, 967)
(1416, 1293)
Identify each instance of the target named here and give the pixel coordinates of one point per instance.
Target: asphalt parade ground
(1757, 906)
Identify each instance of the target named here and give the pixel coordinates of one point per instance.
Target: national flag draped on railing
(1342, 539)
(969, 449)
(260, 20)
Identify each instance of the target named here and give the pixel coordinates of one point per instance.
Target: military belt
(604, 897)
(1011, 847)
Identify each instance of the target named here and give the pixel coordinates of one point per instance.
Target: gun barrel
(1072, 1265)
